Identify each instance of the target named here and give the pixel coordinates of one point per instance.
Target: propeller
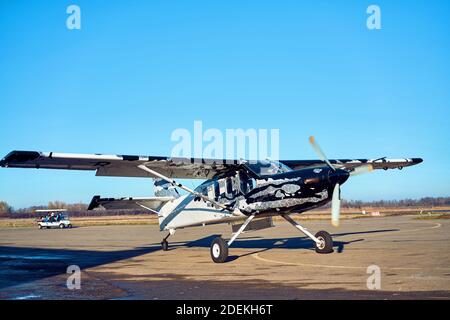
(336, 205)
(338, 176)
(319, 152)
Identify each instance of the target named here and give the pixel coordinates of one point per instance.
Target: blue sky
(137, 70)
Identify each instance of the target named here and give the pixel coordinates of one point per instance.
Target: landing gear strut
(323, 240)
(219, 247)
(164, 243)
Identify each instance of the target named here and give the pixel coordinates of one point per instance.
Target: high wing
(381, 163)
(119, 165)
(184, 168)
(152, 204)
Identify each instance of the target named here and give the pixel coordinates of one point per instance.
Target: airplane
(245, 194)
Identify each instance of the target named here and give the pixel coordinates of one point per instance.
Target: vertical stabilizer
(163, 188)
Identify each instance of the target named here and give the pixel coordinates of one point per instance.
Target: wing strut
(195, 193)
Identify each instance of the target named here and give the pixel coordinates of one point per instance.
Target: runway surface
(125, 262)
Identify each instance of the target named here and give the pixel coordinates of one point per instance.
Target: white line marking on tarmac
(435, 226)
(257, 257)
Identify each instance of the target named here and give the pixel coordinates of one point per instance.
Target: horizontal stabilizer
(153, 204)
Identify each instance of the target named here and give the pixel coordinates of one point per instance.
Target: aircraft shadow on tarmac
(264, 244)
(19, 265)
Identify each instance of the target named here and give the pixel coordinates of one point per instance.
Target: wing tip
(19, 157)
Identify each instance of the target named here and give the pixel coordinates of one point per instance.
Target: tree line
(6, 209)
(422, 202)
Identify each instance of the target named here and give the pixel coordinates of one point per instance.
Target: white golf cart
(54, 219)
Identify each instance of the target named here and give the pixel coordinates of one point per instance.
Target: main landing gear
(219, 250)
(323, 240)
(219, 247)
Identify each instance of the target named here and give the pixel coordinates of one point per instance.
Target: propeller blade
(361, 169)
(336, 205)
(319, 152)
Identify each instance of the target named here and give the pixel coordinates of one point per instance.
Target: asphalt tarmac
(126, 262)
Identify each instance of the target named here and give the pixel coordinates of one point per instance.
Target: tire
(69, 226)
(165, 245)
(327, 242)
(219, 250)
(61, 226)
(40, 227)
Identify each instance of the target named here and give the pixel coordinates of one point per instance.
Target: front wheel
(219, 250)
(326, 242)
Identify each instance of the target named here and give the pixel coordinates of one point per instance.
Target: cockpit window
(266, 168)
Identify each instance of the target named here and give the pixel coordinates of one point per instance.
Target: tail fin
(162, 188)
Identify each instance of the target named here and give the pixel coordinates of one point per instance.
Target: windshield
(265, 168)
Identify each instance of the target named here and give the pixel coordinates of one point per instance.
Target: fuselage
(293, 191)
